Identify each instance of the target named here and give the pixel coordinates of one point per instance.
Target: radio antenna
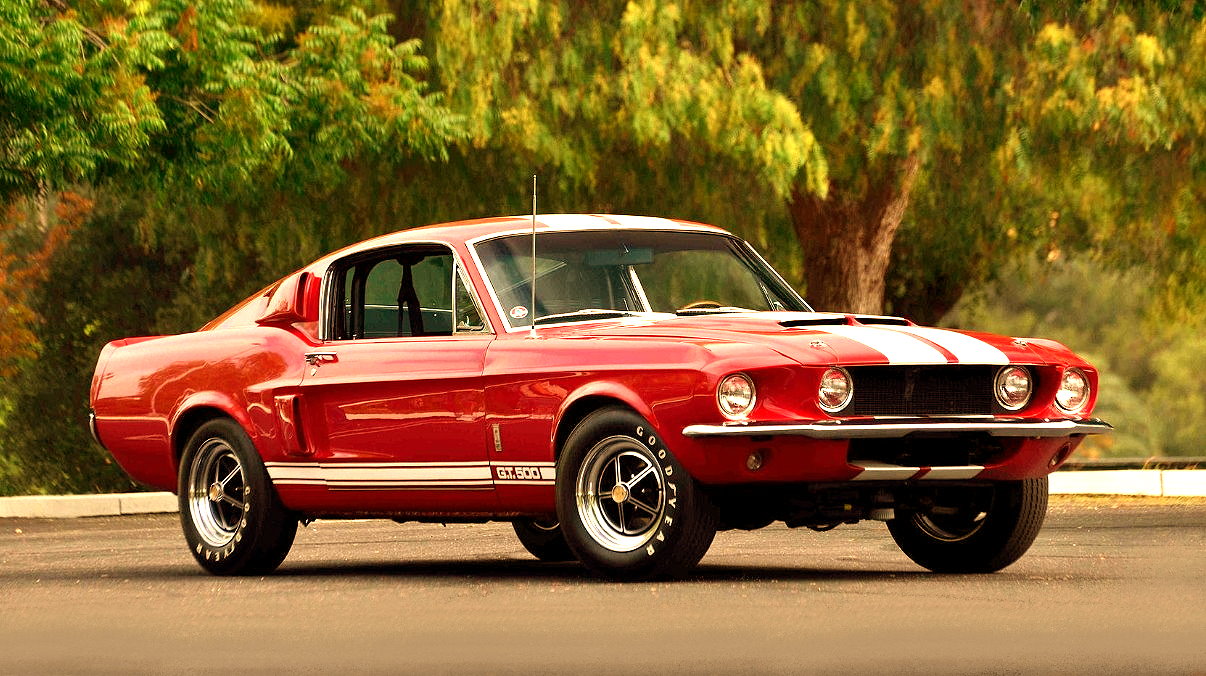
(532, 314)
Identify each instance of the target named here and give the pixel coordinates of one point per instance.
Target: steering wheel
(701, 305)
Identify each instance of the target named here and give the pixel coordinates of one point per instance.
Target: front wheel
(233, 520)
(973, 530)
(628, 509)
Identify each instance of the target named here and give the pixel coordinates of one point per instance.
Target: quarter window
(404, 292)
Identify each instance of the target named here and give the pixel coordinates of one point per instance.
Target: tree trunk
(847, 238)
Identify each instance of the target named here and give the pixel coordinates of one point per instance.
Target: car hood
(828, 338)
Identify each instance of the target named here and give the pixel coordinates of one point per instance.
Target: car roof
(467, 232)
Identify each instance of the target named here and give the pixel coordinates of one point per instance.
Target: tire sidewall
(681, 496)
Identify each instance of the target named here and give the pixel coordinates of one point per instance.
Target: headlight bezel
(1085, 395)
(999, 380)
(849, 396)
(736, 413)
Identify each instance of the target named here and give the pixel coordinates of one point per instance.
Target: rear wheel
(543, 539)
(973, 531)
(628, 509)
(233, 520)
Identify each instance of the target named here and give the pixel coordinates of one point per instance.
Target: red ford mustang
(660, 383)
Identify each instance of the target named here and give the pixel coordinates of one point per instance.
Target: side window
(404, 292)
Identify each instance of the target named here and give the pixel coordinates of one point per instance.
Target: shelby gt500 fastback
(620, 388)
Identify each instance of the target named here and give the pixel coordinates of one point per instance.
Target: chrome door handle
(316, 358)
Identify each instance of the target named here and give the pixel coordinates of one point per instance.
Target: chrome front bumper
(892, 429)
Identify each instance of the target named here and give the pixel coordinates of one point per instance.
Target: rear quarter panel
(144, 387)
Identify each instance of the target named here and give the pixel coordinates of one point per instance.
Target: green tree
(1097, 152)
(186, 119)
(72, 99)
(974, 131)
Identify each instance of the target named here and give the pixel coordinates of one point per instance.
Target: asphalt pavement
(1113, 585)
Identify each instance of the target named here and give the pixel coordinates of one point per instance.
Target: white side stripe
(897, 347)
(521, 463)
(966, 349)
(342, 473)
(398, 475)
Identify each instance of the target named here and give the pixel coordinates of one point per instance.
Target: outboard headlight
(1073, 391)
(736, 396)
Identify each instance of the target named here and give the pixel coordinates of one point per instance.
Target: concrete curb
(70, 506)
(1150, 482)
(1140, 482)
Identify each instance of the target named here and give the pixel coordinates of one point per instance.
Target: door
(393, 398)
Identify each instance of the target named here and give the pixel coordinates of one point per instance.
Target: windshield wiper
(590, 313)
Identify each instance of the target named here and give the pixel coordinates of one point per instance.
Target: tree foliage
(1096, 151)
(72, 98)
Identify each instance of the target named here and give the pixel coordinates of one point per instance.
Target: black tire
(658, 525)
(975, 538)
(543, 539)
(233, 520)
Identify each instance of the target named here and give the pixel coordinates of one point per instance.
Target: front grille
(922, 390)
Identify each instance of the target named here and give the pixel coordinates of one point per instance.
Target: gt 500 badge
(518, 472)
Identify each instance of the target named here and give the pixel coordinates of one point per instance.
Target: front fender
(610, 390)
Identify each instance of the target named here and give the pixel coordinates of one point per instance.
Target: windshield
(606, 273)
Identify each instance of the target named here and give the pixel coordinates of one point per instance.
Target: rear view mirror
(606, 258)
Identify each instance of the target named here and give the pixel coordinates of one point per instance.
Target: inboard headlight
(835, 391)
(735, 396)
(1073, 391)
(1013, 387)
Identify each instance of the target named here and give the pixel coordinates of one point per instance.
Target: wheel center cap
(215, 491)
(619, 493)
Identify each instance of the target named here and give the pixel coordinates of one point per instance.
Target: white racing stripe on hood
(897, 347)
(966, 349)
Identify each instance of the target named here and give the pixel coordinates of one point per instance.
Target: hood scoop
(820, 321)
(843, 320)
(891, 321)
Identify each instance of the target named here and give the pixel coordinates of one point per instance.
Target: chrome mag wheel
(216, 492)
(621, 494)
